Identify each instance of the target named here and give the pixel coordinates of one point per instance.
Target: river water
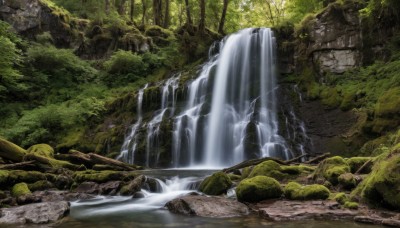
(120, 211)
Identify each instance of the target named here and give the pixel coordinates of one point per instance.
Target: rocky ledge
(207, 206)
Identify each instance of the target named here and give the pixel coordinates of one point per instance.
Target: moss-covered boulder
(246, 172)
(20, 189)
(216, 184)
(42, 150)
(341, 198)
(295, 191)
(355, 163)
(347, 181)
(17, 176)
(331, 168)
(388, 104)
(11, 151)
(234, 177)
(381, 186)
(258, 188)
(40, 185)
(351, 205)
(279, 172)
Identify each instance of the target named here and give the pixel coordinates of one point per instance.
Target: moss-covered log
(10, 151)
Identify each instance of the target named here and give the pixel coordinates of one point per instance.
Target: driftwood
(76, 157)
(111, 162)
(363, 167)
(51, 162)
(318, 159)
(21, 165)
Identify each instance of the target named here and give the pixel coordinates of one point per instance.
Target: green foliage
(216, 184)
(258, 188)
(295, 191)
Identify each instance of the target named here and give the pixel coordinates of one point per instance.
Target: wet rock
(27, 199)
(134, 186)
(88, 187)
(216, 184)
(138, 195)
(38, 213)
(207, 206)
(56, 196)
(109, 188)
(299, 210)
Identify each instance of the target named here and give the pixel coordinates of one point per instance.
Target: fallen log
(252, 162)
(318, 159)
(53, 163)
(76, 157)
(363, 167)
(112, 162)
(20, 165)
(10, 151)
(298, 158)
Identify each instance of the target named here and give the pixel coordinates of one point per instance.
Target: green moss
(258, 188)
(16, 176)
(351, 205)
(381, 186)
(268, 168)
(216, 184)
(40, 185)
(11, 151)
(42, 150)
(98, 176)
(295, 191)
(341, 198)
(20, 189)
(234, 177)
(388, 104)
(246, 172)
(347, 181)
(356, 162)
(331, 168)
(330, 97)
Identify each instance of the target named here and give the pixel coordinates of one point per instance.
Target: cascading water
(230, 112)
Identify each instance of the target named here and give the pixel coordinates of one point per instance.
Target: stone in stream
(204, 206)
(38, 213)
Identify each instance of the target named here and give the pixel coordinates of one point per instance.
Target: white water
(230, 110)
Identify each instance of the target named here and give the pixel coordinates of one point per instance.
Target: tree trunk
(166, 16)
(107, 6)
(222, 21)
(157, 11)
(202, 24)
(188, 17)
(144, 10)
(120, 4)
(132, 10)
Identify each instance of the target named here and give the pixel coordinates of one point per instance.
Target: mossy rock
(4, 174)
(381, 186)
(42, 150)
(11, 151)
(20, 189)
(341, 198)
(347, 181)
(234, 177)
(351, 205)
(17, 176)
(388, 104)
(269, 169)
(295, 191)
(258, 188)
(331, 168)
(98, 176)
(40, 185)
(216, 184)
(246, 172)
(356, 162)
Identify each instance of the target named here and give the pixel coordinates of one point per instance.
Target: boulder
(134, 186)
(204, 206)
(41, 150)
(20, 189)
(38, 213)
(331, 168)
(347, 181)
(295, 191)
(258, 188)
(216, 184)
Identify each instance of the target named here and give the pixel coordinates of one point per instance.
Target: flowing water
(229, 113)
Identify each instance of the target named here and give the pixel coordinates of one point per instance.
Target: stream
(118, 211)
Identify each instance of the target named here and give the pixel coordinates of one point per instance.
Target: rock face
(38, 213)
(207, 206)
(335, 39)
(32, 17)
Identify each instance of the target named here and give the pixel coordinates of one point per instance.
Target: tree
(144, 11)
(222, 21)
(157, 12)
(120, 5)
(132, 10)
(188, 17)
(202, 24)
(166, 16)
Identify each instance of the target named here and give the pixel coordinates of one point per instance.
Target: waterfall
(130, 142)
(230, 109)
